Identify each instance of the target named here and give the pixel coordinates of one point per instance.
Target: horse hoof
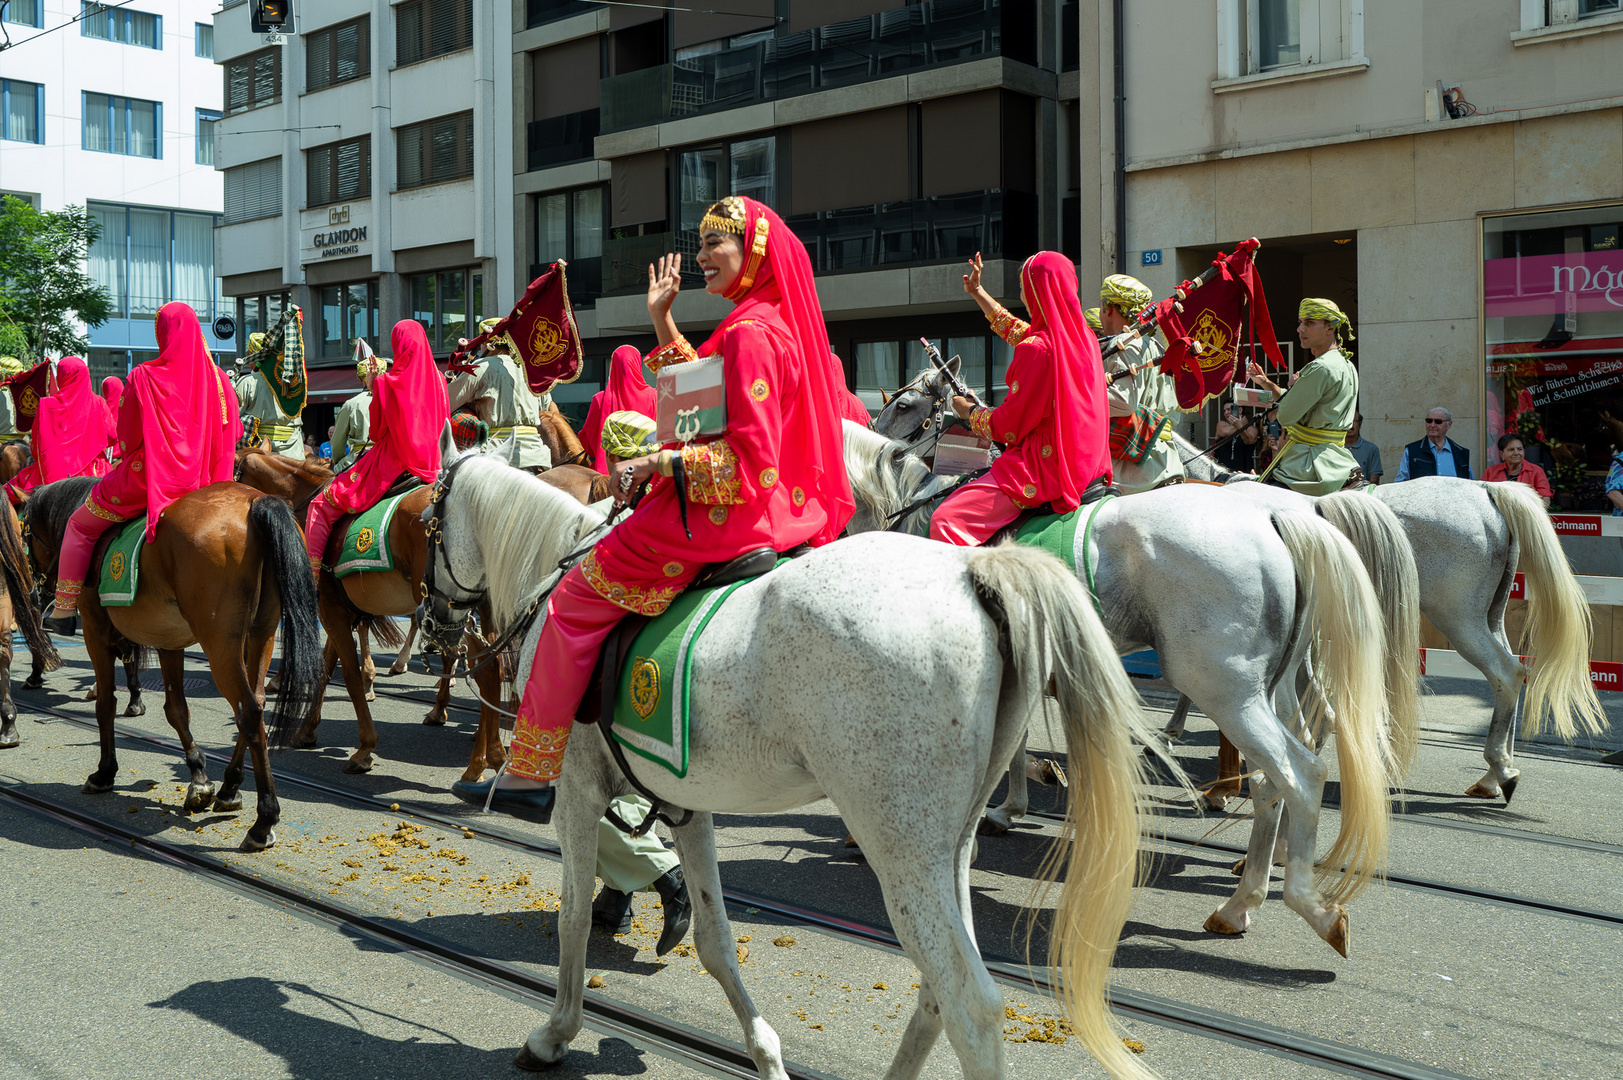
(1479, 790)
(135, 708)
(34, 682)
(90, 695)
(303, 740)
(397, 669)
(9, 740)
(198, 797)
(1337, 937)
(1216, 924)
(354, 766)
(994, 823)
(371, 695)
(96, 787)
(1213, 802)
(249, 843)
(226, 804)
(1238, 869)
(530, 1061)
(434, 719)
(1510, 788)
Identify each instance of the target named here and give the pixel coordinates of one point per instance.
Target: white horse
(811, 682)
(1231, 597)
(1469, 537)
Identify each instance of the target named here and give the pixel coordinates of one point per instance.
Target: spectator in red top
(1513, 465)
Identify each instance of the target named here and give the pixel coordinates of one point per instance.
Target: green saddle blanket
(121, 564)
(651, 708)
(1056, 534)
(366, 542)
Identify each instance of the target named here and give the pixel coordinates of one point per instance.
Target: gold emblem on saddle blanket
(363, 541)
(116, 565)
(644, 686)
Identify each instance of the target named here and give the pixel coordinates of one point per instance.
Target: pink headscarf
(410, 404)
(112, 391)
(189, 422)
(69, 429)
(1049, 282)
(782, 291)
(627, 391)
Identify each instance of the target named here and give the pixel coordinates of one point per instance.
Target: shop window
(22, 111)
(253, 80)
(348, 312)
(121, 125)
(338, 172)
(337, 54)
(109, 22)
(206, 119)
(1552, 337)
(447, 303)
(428, 28)
(434, 151)
(253, 191)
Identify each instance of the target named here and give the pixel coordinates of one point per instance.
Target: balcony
(927, 35)
(560, 139)
(539, 12)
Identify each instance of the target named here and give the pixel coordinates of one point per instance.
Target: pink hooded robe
(409, 410)
(70, 432)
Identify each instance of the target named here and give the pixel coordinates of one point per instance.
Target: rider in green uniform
(1317, 412)
(262, 415)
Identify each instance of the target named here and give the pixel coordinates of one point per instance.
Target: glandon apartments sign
(335, 232)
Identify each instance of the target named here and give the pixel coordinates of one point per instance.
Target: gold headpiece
(728, 215)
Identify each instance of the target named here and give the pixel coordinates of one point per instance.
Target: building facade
(896, 139)
(363, 181)
(114, 109)
(1451, 173)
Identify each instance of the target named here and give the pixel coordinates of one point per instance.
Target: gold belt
(274, 431)
(1316, 436)
(359, 444)
(514, 429)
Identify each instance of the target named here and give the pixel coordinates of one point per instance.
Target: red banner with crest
(541, 331)
(1224, 315)
(26, 388)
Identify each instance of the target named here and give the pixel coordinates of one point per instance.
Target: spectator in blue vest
(1436, 454)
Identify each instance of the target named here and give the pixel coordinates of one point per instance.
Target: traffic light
(271, 16)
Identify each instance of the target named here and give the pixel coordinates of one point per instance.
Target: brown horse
(581, 482)
(14, 458)
(560, 438)
(227, 566)
(17, 611)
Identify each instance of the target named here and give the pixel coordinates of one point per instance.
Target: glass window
(347, 312)
(434, 151)
(1279, 33)
(194, 262)
(337, 54)
(1551, 323)
(588, 224)
(424, 303)
(754, 169)
(429, 28)
(107, 254)
(1586, 8)
(21, 107)
(446, 303)
(205, 135)
(144, 258)
(253, 190)
(149, 261)
(203, 40)
(253, 80)
(552, 228)
(702, 175)
(879, 366)
(23, 12)
(339, 172)
(110, 23)
(119, 125)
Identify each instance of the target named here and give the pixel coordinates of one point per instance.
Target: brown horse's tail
(19, 582)
(288, 570)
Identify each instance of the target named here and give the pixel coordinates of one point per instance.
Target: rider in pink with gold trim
(70, 435)
(1054, 423)
(774, 479)
(177, 432)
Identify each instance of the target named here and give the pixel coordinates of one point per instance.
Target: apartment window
(1587, 8)
(429, 28)
(338, 172)
(253, 191)
(257, 314)
(203, 40)
(145, 258)
(205, 135)
(434, 150)
(1278, 33)
(746, 167)
(253, 80)
(120, 125)
(22, 12)
(22, 111)
(122, 25)
(347, 312)
(337, 54)
(446, 303)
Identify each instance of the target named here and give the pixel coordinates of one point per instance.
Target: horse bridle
(933, 426)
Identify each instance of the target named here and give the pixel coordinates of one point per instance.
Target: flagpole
(1147, 325)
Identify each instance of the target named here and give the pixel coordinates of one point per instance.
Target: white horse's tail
(1055, 635)
(1383, 547)
(1557, 631)
(1344, 618)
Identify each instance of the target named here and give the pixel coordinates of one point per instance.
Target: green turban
(362, 365)
(628, 434)
(1091, 317)
(1127, 293)
(1327, 311)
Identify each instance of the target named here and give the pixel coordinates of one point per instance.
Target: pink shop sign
(1547, 284)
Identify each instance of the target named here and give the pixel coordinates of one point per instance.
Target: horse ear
(953, 365)
(448, 450)
(886, 396)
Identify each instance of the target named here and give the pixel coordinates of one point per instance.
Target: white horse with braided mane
(1469, 539)
(813, 682)
(1232, 596)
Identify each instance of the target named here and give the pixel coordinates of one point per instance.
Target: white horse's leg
(403, 657)
(1489, 652)
(1016, 802)
(712, 935)
(1176, 722)
(1234, 917)
(576, 824)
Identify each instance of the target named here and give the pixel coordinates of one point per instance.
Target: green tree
(44, 289)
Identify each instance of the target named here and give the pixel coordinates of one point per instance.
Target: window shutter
(349, 60)
(236, 85)
(253, 191)
(317, 60)
(408, 32)
(409, 156)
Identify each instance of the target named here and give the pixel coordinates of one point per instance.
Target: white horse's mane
(524, 527)
(883, 477)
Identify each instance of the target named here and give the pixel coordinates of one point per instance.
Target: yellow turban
(1091, 317)
(361, 366)
(256, 341)
(1327, 311)
(1127, 293)
(628, 434)
(10, 365)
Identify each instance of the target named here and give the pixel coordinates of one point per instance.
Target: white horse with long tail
(1232, 596)
(808, 683)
